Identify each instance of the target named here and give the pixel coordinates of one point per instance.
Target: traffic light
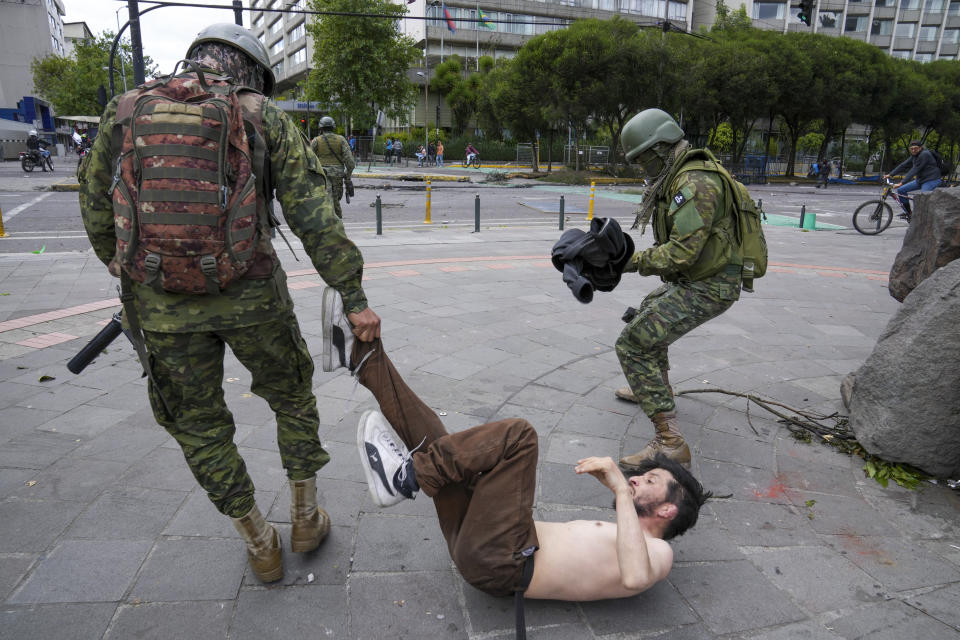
(806, 11)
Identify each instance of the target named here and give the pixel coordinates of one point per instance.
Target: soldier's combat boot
(311, 524)
(626, 393)
(667, 441)
(263, 545)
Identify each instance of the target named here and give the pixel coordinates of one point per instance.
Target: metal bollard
(427, 220)
(803, 214)
(561, 212)
(592, 186)
(3, 234)
(476, 213)
(379, 217)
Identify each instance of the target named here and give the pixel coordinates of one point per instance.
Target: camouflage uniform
(185, 334)
(334, 154)
(690, 231)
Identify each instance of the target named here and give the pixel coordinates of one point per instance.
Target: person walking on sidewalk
(333, 152)
(483, 481)
(692, 254)
(398, 150)
(184, 334)
(825, 168)
(439, 153)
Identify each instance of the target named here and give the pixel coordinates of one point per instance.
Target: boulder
(932, 240)
(905, 401)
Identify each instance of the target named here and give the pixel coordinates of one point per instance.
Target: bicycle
(474, 162)
(874, 216)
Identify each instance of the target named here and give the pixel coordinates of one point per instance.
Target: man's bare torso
(577, 561)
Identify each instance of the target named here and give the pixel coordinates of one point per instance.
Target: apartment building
(28, 29)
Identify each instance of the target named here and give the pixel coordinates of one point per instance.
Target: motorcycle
(29, 160)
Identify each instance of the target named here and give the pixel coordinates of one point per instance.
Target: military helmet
(326, 122)
(243, 40)
(646, 129)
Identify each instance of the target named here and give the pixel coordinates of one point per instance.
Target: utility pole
(238, 12)
(135, 42)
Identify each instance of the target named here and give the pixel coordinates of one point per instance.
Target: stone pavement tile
(127, 513)
(898, 565)
(20, 420)
(451, 367)
(843, 515)
(62, 398)
(311, 611)
(466, 397)
(85, 421)
(745, 483)
(924, 522)
(795, 631)
(12, 393)
(197, 517)
(482, 354)
(575, 631)
(560, 485)
(400, 543)
(525, 368)
(595, 422)
(12, 568)
(420, 604)
(60, 621)
(164, 620)
(742, 450)
(567, 448)
(824, 386)
(841, 366)
(568, 380)
(819, 579)
(940, 604)
(122, 443)
(263, 436)
(890, 620)
(733, 596)
(706, 542)
(818, 479)
(344, 462)
(327, 564)
(73, 479)
(764, 524)
(113, 379)
(733, 419)
(540, 397)
(542, 420)
(13, 479)
(184, 569)
(341, 499)
(83, 571)
(659, 608)
(32, 525)
(163, 469)
(490, 614)
(795, 455)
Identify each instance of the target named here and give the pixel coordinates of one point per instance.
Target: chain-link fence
(586, 156)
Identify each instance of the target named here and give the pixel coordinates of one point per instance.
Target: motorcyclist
(38, 148)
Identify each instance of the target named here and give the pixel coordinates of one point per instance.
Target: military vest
(329, 149)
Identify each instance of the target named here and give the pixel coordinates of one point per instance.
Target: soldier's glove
(348, 186)
(629, 314)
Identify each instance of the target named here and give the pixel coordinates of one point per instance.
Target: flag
(485, 21)
(450, 25)
(411, 1)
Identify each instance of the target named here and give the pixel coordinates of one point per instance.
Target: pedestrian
(421, 155)
(431, 153)
(483, 483)
(439, 153)
(692, 254)
(825, 168)
(180, 337)
(398, 150)
(352, 141)
(333, 152)
(389, 151)
(923, 174)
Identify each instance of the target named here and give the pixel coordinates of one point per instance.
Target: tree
(360, 63)
(71, 84)
(458, 90)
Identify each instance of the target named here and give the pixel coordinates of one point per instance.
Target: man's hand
(366, 325)
(605, 470)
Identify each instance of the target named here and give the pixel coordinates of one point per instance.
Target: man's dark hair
(684, 491)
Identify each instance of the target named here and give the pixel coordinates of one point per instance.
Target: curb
(412, 177)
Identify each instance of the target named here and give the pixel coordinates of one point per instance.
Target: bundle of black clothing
(592, 259)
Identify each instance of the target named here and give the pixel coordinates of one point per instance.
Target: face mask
(651, 162)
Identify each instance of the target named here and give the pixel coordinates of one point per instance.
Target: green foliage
(810, 142)
(883, 472)
(70, 84)
(360, 64)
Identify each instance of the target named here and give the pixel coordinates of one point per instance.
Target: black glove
(348, 187)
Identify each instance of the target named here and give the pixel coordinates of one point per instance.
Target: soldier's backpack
(184, 190)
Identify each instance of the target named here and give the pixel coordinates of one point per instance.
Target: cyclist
(38, 148)
(471, 153)
(923, 174)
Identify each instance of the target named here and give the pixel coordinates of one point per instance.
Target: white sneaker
(337, 332)
(386, 462)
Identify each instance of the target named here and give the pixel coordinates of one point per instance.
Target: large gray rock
(905, 403)
(932, 240)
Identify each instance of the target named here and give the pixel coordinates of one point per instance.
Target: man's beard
(644, 510)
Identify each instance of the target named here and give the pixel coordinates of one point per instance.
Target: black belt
(525, 579)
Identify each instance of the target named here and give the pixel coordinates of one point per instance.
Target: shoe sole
(367, 470)
(326, 317)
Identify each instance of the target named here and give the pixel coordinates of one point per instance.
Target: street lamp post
(426, 108)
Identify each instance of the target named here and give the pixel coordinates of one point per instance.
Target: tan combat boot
(667, 441)
(263, 545)
(311, 524)
(626, 393)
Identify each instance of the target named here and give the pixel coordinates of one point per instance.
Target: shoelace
(355, 372)
(404, 457)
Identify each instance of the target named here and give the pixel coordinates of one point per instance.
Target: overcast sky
(166, 33)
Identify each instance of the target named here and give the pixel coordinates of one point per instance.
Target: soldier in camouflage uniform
(693, 253)
(334, 154)
(185, 335)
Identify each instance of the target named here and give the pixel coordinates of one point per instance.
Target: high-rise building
(28, 29)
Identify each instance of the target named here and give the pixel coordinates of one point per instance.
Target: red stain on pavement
(775, 490)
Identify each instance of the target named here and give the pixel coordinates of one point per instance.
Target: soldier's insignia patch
(679, 199)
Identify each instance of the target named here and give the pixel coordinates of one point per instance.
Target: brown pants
(482, 480)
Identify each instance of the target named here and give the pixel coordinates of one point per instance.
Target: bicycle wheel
(872, 217)
(49, 164)
(475, 163)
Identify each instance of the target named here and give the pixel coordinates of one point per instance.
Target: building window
(933, 6)
(855, 24)
(258, 21)
(277, 69)
(905, 30)
(297, 33)
(769, 10)
(882, 28)
(909, 5)
(953, 9)
(276, 47)
(903, 54)
(299, 56)
(928, 34)
(676, 10)
(951, 36)
(275, 25)
(262, 38)
(923, 57)
(886, 3)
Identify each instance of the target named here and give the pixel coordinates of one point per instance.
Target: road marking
(27, 205)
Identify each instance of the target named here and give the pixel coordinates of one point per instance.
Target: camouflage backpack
(184, 190)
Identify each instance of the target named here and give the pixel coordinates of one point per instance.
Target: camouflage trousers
(188, 369)
(335, 184)
(666, 314)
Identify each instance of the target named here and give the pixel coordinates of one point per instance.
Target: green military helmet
(242, 39)
(326, 122)
(646, 129)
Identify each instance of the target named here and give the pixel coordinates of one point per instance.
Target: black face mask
(651, 162)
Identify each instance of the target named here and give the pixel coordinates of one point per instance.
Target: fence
(525, 154)
(586, 156)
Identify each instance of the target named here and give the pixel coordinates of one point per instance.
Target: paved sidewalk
(104, 533)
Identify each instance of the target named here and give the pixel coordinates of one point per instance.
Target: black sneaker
(337, 332)
(386, 462)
